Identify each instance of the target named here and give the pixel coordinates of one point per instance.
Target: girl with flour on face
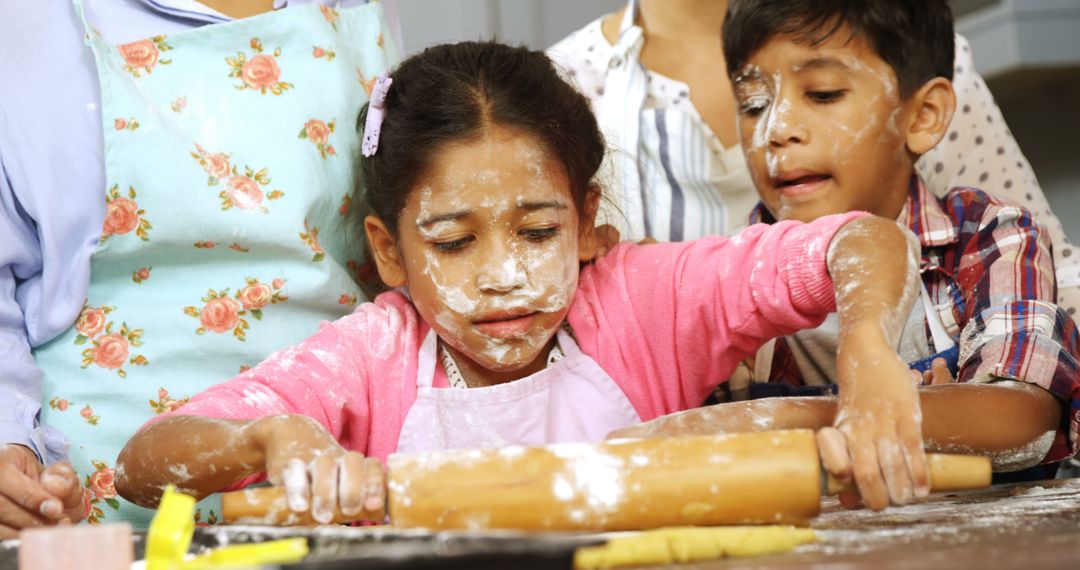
(477, 173)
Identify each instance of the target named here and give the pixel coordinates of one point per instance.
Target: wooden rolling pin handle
(947, 473)
(267, 505)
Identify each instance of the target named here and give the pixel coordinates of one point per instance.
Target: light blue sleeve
(20, 378)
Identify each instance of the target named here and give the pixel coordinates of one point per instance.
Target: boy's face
(489, 245)
(824, 128)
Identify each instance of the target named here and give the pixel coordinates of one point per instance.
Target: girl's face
(489, 244)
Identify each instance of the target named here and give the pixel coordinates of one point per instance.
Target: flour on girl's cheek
(500, 268)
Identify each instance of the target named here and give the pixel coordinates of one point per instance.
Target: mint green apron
(229, 159)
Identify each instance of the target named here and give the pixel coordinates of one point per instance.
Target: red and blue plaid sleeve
(1004, 294)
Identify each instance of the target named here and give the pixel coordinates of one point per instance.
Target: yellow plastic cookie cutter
(173, 527)
(170, 533)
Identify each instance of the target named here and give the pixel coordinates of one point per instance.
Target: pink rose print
(244, 193)
(179, 104)
(166, 403)
(59, 404)
(346, 205)
(140, 275)
(143, 55)
(100, 488)
(368, 83)
(347, 300)
(318, 53)
(255, 296)
(111, 351)
(101, 483)
(122, 215)
(217, 165)
(88, 414)
(220, 315)
(260, 73)
(311, 237)
(122, 124)
(91, 321)
(240, 248)
(318, 132)
(205, 244)
(330, 14)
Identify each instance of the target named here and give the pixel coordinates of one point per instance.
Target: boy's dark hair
(915, 37)
(455, 92)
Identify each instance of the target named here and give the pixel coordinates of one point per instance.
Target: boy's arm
(957, 418)
(1011, 328)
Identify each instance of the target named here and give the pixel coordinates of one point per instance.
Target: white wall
(537, 24)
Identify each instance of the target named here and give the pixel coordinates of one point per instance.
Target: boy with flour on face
(837, 101)
(478, 167)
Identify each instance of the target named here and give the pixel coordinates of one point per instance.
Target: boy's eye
(452, 246)
(754, 106)
(539, 234)
(826, 97)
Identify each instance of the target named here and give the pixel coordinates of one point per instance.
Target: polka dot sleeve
(979, 151)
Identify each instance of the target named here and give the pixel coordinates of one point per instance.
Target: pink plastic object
(86, 547)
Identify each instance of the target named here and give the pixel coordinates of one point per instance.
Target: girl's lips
(509, 328)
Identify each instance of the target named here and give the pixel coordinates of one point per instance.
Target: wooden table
(1030, 525)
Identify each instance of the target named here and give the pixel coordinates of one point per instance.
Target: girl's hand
(876, 437)
(316, 472)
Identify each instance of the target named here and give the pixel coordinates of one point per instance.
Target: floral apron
(229, 158)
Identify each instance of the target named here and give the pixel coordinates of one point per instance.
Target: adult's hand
(31, 495)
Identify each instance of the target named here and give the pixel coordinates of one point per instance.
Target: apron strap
(763, 362)
(942, 340)
(425, 368)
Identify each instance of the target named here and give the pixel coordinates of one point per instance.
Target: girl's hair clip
(375, 114)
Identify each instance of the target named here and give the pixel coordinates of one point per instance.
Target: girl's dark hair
(455, 92)
(915, 37)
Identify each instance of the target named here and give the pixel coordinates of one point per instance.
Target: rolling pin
(771, 477)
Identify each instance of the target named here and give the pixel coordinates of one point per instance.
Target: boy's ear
(933, 106)
(384, 249)
(587, 240)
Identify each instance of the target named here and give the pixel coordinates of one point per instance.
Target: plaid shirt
(988, 268)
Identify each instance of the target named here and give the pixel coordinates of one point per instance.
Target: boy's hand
(876, 438)
(938, 374)
(316, 472)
